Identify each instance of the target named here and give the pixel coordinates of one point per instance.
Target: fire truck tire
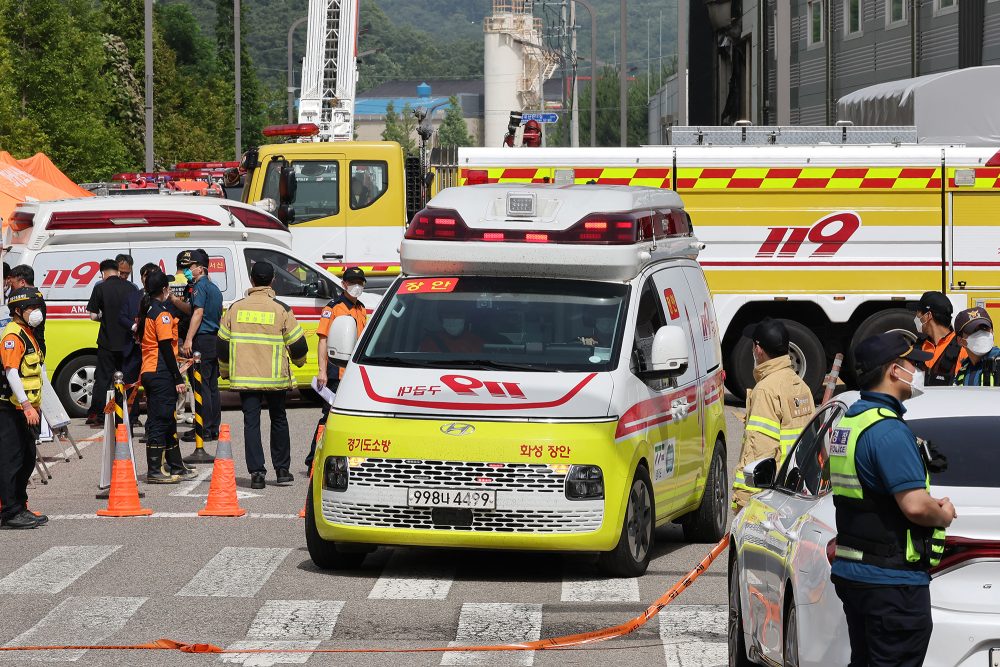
(880, 322)
(74, 384)
(324, 553)
(805, 349)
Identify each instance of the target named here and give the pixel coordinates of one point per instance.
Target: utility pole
(623, 81)
(149, 84)
(291, 69)
(239, 83)
(648, 60)
(593, 71)
(574, 127)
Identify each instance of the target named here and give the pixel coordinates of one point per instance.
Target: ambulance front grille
(457, 474)
(485, 521)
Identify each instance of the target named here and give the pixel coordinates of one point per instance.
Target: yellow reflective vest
(259, 330)
(30, 369)
(778, 408)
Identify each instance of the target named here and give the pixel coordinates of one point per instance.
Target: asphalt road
(249, 583)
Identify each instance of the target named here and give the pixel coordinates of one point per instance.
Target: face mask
(980, 342)
(188, 275)
(916, 381)
(35, 318)
(355, 291)
(453, 326)
(918, 324)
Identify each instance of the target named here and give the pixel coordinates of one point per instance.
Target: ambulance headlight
(585, 483)
(335, 473)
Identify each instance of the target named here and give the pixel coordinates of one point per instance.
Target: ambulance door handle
(332, 255)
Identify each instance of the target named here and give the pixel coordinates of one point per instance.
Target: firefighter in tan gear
(778, 407)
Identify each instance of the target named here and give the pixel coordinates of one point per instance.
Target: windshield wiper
(402, 361)
(501, 365)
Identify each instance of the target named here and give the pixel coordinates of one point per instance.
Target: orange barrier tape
(566, 641)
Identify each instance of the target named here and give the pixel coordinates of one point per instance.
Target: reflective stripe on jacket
(258, 330)
(30, 369)
(871, 528)
(778, 408)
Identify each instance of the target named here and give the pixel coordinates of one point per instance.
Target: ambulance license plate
(485, 499)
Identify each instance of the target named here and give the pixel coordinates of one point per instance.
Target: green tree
(608, 114)
(57, 75)
(399, 127)
(250, 97)
(453, 130)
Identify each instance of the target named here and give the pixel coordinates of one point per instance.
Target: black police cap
(875, 351)
(933, 302)
(355, 275)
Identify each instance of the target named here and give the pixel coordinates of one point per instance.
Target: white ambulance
(545, 374)
(64, 242)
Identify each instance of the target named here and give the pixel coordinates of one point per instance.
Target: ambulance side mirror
(761, 473)
(342, 339)
(669, 356)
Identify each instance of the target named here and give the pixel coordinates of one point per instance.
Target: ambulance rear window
(505, 323)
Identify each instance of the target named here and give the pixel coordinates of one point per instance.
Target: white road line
(74, 621)
(172, 515)
(486, 623)
(186, 488)
(286, 624)
(579, 589)
(424, 580)
(55, 569)
(235, 572)
(694, 635)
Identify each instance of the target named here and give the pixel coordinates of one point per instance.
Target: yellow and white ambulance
(64, 242)
(545, 374)
(833, 239)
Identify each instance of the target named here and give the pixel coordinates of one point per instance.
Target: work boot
(186, 474)
(21, 520)
(158, 477)
(256, 480)
(41, 519)
(284, 477)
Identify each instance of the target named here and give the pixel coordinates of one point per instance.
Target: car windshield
(969, 443)
(502, 323)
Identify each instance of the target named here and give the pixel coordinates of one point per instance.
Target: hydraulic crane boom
(330, 69)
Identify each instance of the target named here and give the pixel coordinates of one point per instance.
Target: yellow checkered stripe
(749, 178)
(369, 269)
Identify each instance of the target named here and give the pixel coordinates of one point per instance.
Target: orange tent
(40, 166)
(17, 184)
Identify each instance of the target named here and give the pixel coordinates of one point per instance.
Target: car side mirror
(669, 355)
(761, 473)
(287, 185)
(342, 339)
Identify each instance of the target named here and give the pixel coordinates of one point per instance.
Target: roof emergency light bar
(624, 228)
(291, 130)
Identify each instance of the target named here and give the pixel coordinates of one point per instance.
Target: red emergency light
(293, 130)
(205, 165)
(80, 220)
(439, 224)
(477, 177)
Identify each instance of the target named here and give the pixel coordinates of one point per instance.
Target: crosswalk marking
(493, 623)
(694, 635)
(55, 569)
(580, 589)
(286, 624)
(236, 572)
(74, 621)
(423, 579)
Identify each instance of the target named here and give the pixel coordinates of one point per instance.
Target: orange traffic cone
(222, 499)
(123, 499)
(319, 438)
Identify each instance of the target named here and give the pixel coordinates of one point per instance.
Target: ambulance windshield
(501, 323)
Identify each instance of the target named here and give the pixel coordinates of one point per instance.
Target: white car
(784, 610)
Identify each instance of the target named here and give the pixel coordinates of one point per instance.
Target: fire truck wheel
(880, 322)
(74, 384)
(804, 347)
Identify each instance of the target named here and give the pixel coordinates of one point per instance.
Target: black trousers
(888, 625)
(108, 361)
(334, 385)
(281, 447)
(17, 460)
(211, 401)
(163, 452)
